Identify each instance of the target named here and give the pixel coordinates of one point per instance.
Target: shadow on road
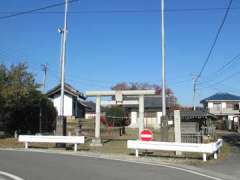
(233, 139)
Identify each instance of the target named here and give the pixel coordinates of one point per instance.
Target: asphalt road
(42, 166)
(4, 178)
(230, 165)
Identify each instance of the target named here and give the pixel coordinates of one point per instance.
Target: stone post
(141, 114)
(177, 129)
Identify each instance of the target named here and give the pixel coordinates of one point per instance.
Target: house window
(230, 105)
(236, 106)
(217, 106)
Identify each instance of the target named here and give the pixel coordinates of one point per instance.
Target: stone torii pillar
(97, 140)
(118, 101)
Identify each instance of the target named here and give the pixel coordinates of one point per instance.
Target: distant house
(74, 105)
(91, 110)
(225, 106)
(153, 110)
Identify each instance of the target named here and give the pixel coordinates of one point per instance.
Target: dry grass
(13, 143)
(10, 143)
(118, 146)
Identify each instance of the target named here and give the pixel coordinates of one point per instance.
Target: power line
(215, 39)
(35, 10)
(211, 50)
(235, 58)
(230, 89)
(119, 11)
(225, 79)
(226, 66)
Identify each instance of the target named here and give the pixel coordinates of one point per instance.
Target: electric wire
(215, 39)
(35, 10)
(223, 68)
(38, 11)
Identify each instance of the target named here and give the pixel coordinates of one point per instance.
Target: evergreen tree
(21, 102)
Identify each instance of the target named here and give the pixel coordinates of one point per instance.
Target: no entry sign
(146, 135)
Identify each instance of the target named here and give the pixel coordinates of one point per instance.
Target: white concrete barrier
(210, 148)
(51, 139)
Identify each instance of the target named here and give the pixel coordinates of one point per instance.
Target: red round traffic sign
(146, 135)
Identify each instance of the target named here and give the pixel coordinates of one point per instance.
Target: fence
(105, 133)
(192, 138)
(87, 128)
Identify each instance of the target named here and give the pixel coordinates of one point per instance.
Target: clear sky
(112, 41)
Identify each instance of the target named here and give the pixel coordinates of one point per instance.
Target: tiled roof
(197, 114)
(68, 89)
(154, 101)
(221, 96)
(91, 106)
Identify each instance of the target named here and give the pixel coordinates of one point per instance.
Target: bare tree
(141, 86)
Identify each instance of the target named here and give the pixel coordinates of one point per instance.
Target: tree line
(141, 86)
(22, 104)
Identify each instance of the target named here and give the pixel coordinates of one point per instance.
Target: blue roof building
(221, 97)
(225, 106)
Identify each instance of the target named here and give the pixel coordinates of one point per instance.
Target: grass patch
(13, 143)
(118, 145)
(10, 143)
(225, 151)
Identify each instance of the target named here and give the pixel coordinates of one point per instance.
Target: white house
(74, 105)
(152, 108)
(225, 106)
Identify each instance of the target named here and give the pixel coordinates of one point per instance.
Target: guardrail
(51, 139)
(210, 148)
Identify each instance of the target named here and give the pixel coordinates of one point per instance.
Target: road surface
(230, 165)
(43, 166)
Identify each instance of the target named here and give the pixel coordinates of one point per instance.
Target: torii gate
(118, 101)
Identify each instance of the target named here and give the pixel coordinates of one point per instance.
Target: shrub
(115, 116)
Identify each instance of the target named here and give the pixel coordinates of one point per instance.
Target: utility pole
(60, 30)
(194, 91)
(44, 69)
(61, 125)
(164, 119)
(163, 64)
